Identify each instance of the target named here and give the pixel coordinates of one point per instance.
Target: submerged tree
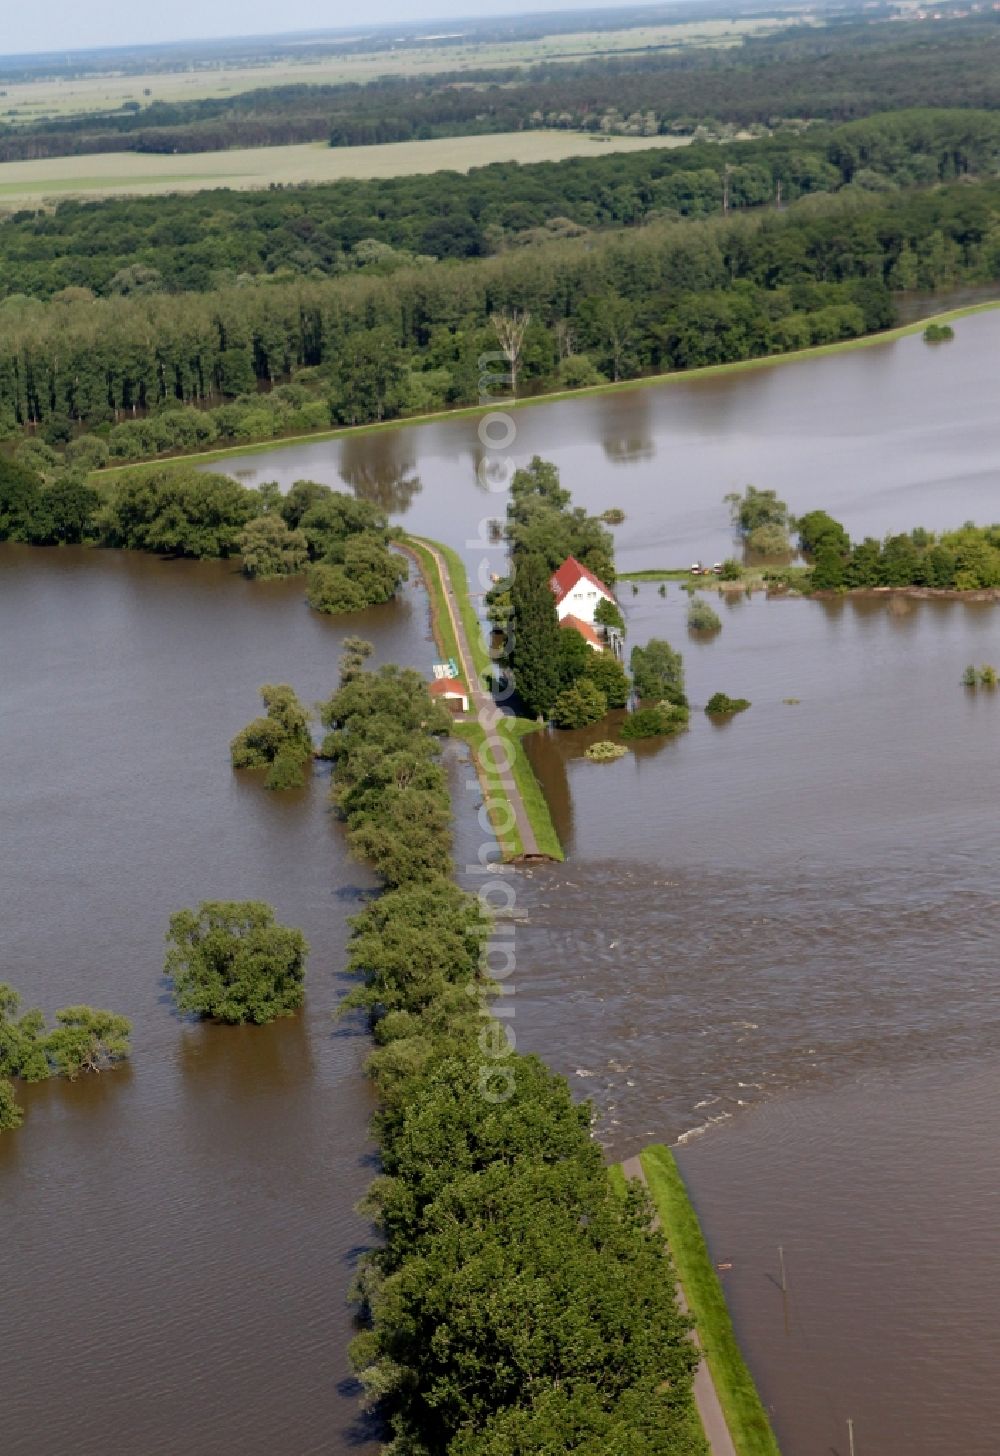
(579, 705)
(280, 742)
(230, 960)
(756, 508)
(658, 672)
(269, 548)
(11, 1115)
(87, 1040)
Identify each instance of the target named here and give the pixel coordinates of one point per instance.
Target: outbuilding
(451, 691)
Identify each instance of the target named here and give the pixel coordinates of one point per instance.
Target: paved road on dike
(483, 706)
(706, 1397)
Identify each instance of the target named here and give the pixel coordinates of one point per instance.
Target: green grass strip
(444, 632)
(481, 659)
(532, 795)
(536, 805)
(508, 837)
(745, 1415)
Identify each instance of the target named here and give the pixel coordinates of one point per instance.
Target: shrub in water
(579, 705)
(701, 617)
(605, 751)
(654, 722)
(719, 704)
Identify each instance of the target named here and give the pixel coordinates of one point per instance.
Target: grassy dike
(472, 732)
(646, 381)
(745, 1415)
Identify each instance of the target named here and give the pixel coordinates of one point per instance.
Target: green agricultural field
(113, 173)
(22, 102)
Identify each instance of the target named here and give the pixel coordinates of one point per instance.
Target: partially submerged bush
(579, 705)
(231, 961)
(719, 705)
(269, 548)
(769, 540)
(281, 742)
(665, 718)
(84, 1039)
(938, 333)
(605, 751)
(701, 617)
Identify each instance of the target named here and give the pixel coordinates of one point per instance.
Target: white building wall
(580, 602)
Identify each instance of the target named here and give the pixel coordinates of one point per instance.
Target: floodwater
(179, 1234)
(886, 437)
(773, 938)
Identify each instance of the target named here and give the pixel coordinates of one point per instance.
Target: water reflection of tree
(492, 472)
(232, 1062)
(380, 468)
(624, 423)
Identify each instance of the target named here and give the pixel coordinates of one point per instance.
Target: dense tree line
(196, 242)
(341, 543)
(669, 296)
(836, 73)
(516, 1303)
(966, 559)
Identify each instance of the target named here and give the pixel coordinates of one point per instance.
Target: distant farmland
(123, 172)
(27, 101)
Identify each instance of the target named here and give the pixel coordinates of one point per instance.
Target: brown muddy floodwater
(178, 1235)
(774, 939)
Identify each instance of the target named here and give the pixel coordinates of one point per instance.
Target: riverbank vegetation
(279, 742)
(341, 542)
(231, 961)
(745, 1415)
(966, 559)
(83, 1039)
(489, 1181)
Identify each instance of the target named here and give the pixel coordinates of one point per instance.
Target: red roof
(566, 578)
(585, 630)
(447, 687)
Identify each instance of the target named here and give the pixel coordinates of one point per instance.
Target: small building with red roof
(450, 691)
(577, 591)
(585, 630)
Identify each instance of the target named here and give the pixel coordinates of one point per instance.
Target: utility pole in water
(850, 1435)
(781, 1260)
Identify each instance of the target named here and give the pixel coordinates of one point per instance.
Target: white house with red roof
(577, 592)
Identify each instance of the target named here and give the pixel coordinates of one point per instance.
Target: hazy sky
(49, 25)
